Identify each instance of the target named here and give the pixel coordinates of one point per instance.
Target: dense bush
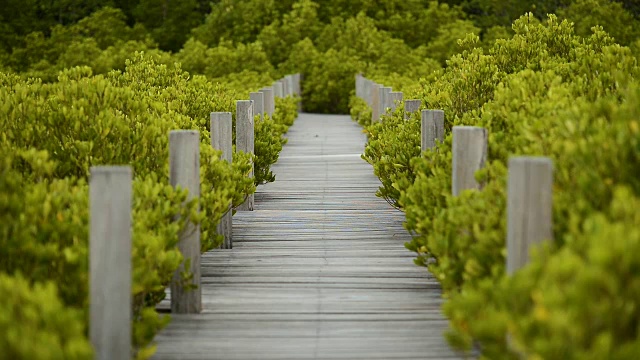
(519, 91)
(35, 324)
(54, 132)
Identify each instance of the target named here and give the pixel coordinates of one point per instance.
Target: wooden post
(384, 101)
(432, 128)
(298, 89)
(469, 156)
(268, 102)
(278, 89)
(285, 86)
(184, 171)
(395, 97)
(221, 139)
(110, 201)
(359, 86)
(529, 207)
(258, 103)
(367, 91)
(245, 140)
(411, 106)
(292, 88)
(375, 102)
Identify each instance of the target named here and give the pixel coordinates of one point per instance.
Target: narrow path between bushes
(318, 270)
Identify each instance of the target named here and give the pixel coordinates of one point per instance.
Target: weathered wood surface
(318, 270)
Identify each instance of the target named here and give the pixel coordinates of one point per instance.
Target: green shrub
(55, 132)
(544, 91)
(36, 325)
(392, 144)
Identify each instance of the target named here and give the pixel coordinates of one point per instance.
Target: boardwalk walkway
(318, 270)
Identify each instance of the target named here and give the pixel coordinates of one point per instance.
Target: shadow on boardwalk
(318, 270)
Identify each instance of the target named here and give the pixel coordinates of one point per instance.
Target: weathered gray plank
(319, 269)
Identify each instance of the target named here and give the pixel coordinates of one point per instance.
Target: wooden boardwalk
(318, 270)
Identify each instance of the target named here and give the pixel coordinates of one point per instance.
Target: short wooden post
(184, 172)
(110, 200)
(385, 91)
(469, 156)
(432, 128)
(411, 106)
(395, 97)
(269, 105)
(221, 139)
(245, 140)
(258, 103)
(529, 207)
(278, 89)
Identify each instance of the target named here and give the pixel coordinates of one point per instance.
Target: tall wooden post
(245, 140)
(411, 106)
(221, 139)
(375, 103)
(184, 171)
(268, 101)
(469, 156)
(529, 207)
(110, 201)
(395, 98)
(258, 103)
(432, 128)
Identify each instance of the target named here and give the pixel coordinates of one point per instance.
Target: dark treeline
(170, 22)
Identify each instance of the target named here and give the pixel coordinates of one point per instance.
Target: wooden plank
(319, 269)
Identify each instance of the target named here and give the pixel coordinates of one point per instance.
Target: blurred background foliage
(327, 41)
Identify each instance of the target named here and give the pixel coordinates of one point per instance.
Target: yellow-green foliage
(54, 132)
(36, 325)
(547, 92)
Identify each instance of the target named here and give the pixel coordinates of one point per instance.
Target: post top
(468, 128)
(184, 132)
(541, 160)
(111, 169)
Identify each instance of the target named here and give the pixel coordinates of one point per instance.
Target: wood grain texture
(395, 99)
(258, 103)
(319, 269)
(269, 102)
(469, 155)
(432, 128)
(411, 106)
(222, 139)
(184, 171)
(245, 139)
(376, 96)
(110, 201)
(385, 102)
(529, 207)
